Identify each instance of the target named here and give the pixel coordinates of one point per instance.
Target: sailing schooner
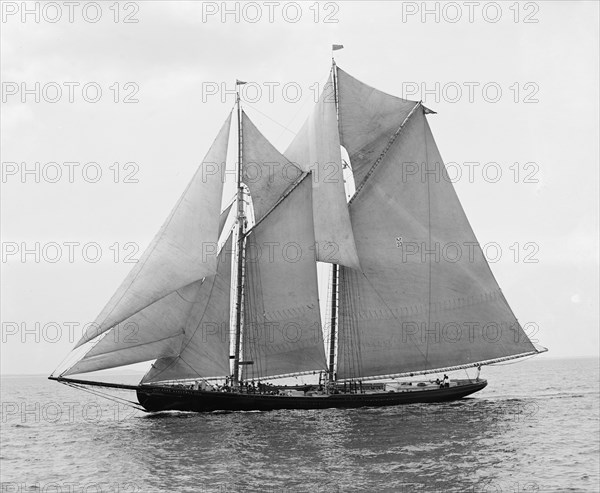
(225, 312)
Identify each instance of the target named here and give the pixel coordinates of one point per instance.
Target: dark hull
(157, 398)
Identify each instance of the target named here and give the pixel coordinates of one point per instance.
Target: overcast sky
(510, 85)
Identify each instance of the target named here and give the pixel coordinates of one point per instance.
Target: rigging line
(292, 119)
(175, 359)
(109, 397)
(191, 368)
(259, 302)
(345, 328)
(213, 279)
(352, 353)
(250, 345)
(358, 337)
(98, 392)
(352, 340)
(97, 339)
(295, 374)
(358, 370)
(68, 356)
(506, 363)
(249, 324)
(336, 93)
(298, 112)
(267, 116)
(280, 200)
(256, 349)
(305, 102)
(445, 369)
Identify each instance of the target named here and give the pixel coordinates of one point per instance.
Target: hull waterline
(155, 398)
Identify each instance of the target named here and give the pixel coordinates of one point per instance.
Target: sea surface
(534, 428)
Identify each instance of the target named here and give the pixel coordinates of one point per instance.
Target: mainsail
(182, 252)
(426, 297)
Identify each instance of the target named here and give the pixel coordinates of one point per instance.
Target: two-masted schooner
(224, 313)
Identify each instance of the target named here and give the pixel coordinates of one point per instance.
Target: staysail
(189, 326)
(317, 148)
(282, 323)
(426, 297)
(266, 172)
(205, 347)
(182, 252)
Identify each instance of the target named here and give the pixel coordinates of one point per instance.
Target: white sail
(266, 172)
(134, 350)
(157, 331)
(426, 297)
(317, 148)
(368, 118)
(183, 251)
(205, 348)
(282, 323)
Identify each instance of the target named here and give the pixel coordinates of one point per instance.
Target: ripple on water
(532, 428)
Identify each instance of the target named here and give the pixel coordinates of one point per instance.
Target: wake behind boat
(410, 291)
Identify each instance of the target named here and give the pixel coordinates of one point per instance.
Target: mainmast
(241, 219)
(334, 267)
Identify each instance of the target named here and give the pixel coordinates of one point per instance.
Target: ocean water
(534, 428)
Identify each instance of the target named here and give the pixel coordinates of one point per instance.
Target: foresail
(368, 118)
(426, 297)
(190, 325)
(282, 323)
(266, 172)
(183, 251)
(316, 148)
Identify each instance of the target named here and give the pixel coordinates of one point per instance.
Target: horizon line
(136, 372)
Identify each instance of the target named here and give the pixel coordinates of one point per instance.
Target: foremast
(241, 222)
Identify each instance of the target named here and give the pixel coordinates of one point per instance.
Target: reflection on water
(535, 429)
